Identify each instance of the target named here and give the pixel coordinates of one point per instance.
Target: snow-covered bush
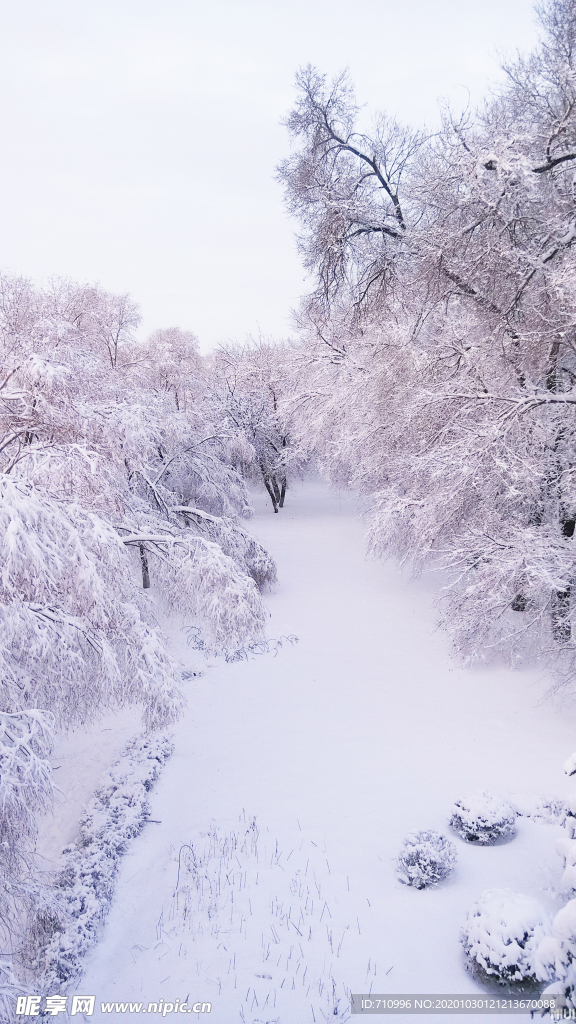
(424, 859)
(84, 884)
(483, 818)
(502, 937)
(566, 848)
(558, 952)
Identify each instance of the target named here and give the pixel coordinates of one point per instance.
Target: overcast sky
(140, 137)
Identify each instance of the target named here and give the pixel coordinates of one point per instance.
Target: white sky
(140, 137)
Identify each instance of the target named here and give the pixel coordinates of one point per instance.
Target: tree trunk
(568, 527)
(561, 626)
(270, 492)
(283, 492)
(145, 570)
(276, 490)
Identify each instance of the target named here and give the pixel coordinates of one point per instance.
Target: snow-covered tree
(439, 341)
(250, 384)
(105, 434)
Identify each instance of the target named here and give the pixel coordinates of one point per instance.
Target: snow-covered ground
(266, 882)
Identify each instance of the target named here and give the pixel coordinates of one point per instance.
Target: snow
(338, 746)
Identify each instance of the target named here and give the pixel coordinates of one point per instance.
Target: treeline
(123, 492)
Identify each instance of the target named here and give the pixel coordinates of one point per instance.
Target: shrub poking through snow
(88, 867)
(502, 935)
(424, 859)
(483, 818)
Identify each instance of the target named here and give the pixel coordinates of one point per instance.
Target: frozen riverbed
(337, 745)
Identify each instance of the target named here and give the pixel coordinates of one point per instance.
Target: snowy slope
(338, 746)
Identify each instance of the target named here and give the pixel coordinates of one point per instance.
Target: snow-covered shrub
(424, 859)
(502, 936)
(546, 810)
(558, 952)
(566, 848)
(88, 867)
(483, 818)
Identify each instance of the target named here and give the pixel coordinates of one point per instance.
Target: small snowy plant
(424, 859)
(502, 936)
(483, 818)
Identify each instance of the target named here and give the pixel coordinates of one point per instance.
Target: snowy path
(339, 745)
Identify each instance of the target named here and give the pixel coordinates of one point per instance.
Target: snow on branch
(69, 602)
(200, 580)
(235, 542)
